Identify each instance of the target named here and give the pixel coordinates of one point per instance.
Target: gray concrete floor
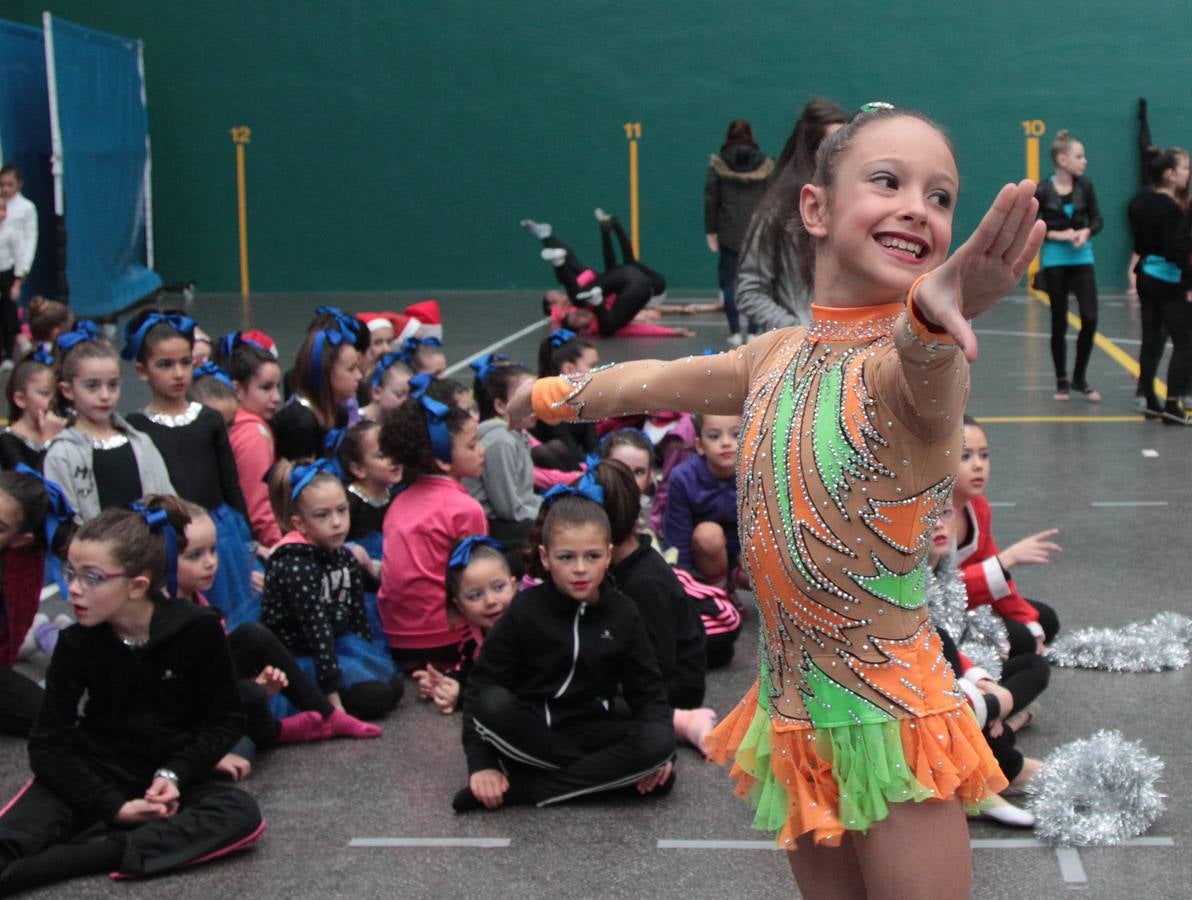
(1120, 564)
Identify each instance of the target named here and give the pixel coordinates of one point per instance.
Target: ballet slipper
(340, 724)
(300, 728)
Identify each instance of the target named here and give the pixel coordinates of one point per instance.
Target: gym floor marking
(1067, 419)
(492, 348)
(487, 843)
(1150, 454)
(1122, 503)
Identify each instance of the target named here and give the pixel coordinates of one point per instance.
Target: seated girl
(314, 593)
(701, 509)
(140, 705)
(564, 447)
(480, 587)
(437, 446)
(540, 721)
(389, 387)
(32, 422)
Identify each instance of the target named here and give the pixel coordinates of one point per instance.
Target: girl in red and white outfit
(985, 568)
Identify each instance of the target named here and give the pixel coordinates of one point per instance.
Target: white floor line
(430, 842)
(1150, 454)
(1005, 503)
(997, 332)
(491, 348)
(1071, 867)
(1117, 503)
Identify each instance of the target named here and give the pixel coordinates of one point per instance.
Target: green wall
(397, 144)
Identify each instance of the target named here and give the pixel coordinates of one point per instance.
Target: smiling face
(198, 562)
(95, 389)
(485, 591)
(576, 560)
(168, 368)
(261, 396)
(717, 442)
(972, 476)
(323, 516)
(887, 216)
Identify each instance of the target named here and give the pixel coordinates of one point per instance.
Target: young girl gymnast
(32, 422)
(32, 513)
(987, 569)
(314, 593)
(564, 445)
(540, 725)
(1068, 204)
(193, 441)
(480, 587)
(326, 374)
(437, 446)
(850, 443)
(370, 477)
(100, 460)
(424, 356)
(264, 667)
(140, 705)
(257, 379)
(671, 621)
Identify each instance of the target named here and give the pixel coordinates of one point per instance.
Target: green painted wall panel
(397, 144)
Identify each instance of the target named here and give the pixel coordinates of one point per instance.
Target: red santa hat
(403, 326)
(430, 321)
(260, 339)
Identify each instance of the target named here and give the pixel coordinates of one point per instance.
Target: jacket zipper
(574, 660)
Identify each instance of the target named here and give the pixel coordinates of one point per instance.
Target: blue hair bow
(331, 444)
(302, 476)
(211, 370)
(436, 417)
(333, 336)
(587, 487)
(83, 331)
(415, 343)
(385, 363)
(561, 336)
(59, 512)
(43, 356)
(184, 325)
(349, 325)
(462, 554)
(159, 520)
(485, 364)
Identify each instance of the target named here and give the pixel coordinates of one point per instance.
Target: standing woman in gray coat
(772, 282)
(737, 178)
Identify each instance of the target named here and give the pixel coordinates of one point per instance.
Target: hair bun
(1062, 135)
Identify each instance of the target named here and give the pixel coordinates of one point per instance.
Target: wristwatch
(168, 775)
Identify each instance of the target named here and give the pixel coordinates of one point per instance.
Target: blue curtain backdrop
(25, 137)
(104, 125)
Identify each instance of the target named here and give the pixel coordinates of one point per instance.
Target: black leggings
(45, 839)
(630, 283)
(572, 759)
(657, 282)
(1081, 281)
(9, 322)
(254, 647)
(1165, 309)
(1021, 639)
(20, 699)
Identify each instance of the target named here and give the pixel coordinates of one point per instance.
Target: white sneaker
(1005, 813)
(592, 296)
(540, 230)
(735, 340)
(556, 256)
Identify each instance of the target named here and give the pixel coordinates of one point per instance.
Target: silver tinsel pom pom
(1096, 791)
(980, 634)
(1165, 642)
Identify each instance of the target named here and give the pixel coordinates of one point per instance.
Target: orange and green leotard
(850, 442)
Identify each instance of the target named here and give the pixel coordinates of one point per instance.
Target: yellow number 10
(1034, 128)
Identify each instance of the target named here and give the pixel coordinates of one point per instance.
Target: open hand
(428, 680)
(986, 267)
(273, 680)
(137, 812)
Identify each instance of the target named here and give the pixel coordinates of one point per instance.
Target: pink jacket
(252, 445)
(422, 523)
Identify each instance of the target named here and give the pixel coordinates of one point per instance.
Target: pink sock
(340, 724)
(306, 726)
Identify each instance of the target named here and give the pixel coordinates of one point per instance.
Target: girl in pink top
(437, 445)
(257, 379)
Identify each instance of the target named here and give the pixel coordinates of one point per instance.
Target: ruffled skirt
(232, 591)
(830, 780)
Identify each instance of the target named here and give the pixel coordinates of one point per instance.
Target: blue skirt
(359, 661)
(372, 543)
(232, 593)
